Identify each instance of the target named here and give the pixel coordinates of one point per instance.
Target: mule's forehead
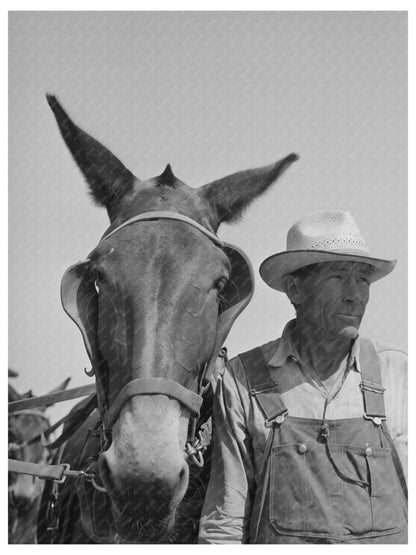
(152, 196)
(162, 239)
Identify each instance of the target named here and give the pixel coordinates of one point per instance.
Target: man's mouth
(345, 315)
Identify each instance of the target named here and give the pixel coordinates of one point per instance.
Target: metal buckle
(194, 450)
(377, 420)
(97, 486)
(371, 386)
(264, 388)
(64, 474)
(276, 420)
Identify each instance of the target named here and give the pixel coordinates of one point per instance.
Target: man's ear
(293, 287)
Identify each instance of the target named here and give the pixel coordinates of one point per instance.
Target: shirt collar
(287, 350)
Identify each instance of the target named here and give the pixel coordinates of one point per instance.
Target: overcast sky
(211, 93)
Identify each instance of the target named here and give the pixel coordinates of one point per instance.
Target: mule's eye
(220, 284)
(97, 278)
(97, 286)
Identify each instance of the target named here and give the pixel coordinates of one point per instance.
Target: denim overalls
(327, 481)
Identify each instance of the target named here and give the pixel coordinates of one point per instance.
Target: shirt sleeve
(226, 511)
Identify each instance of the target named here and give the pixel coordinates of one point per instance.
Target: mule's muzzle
(144, 470)
(157, 487)
(143, 503)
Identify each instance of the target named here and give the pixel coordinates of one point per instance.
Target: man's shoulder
(388, 350)
(393, 365)
(267, 349)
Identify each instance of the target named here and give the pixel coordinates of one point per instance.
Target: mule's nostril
(182, 484)
(183, 474)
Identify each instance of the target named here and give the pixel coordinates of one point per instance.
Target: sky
(211, 93)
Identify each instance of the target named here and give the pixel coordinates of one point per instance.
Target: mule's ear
(60, 387)
(229, 196)
(109, 180)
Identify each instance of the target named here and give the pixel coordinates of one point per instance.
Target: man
(310, 431)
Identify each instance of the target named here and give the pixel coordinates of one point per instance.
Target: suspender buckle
(276, 419)
(377, 420)
(264, 388)
(366, 385)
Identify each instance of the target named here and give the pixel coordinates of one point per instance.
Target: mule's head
(25, 444)
(23, 490)
(148, 301)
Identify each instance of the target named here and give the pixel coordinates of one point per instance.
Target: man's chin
(348, 332)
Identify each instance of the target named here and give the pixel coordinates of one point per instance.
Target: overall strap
(265, 391)
(371, 382)
(374, 402)
(262, 386)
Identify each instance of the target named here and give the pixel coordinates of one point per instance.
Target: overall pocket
(387, 500)
(308, 495)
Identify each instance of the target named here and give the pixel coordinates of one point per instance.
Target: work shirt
(240, 432)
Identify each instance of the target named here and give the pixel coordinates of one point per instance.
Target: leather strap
(261, 385)
(152, 386)
(371, 381)
(42, 471)
(51, 398)
(165, 215)
(74, 419)
(262, 491)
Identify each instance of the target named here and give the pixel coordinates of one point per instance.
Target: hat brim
(275, 267)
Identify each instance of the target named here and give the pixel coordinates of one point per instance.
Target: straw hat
(327, 236)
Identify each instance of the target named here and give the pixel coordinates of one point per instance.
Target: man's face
(334, 297)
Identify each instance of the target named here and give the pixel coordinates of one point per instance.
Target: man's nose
(352, 292)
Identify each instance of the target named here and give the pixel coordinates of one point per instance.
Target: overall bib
(327, 481)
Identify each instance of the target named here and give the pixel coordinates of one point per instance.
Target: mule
(25, 433)
(154, 302)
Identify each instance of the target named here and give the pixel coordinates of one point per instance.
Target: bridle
(155, 385)
(79, 300)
